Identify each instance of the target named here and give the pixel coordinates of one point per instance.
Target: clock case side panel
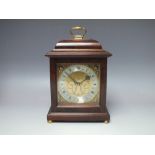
(103, 85)
(53, 86)
(85, 112)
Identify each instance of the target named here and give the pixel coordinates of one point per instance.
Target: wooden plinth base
(78, 117)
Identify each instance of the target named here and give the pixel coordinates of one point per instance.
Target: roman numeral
(92, 92)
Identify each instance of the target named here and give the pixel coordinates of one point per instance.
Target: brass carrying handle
(78, 32)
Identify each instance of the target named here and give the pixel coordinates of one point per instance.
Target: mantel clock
(78, 73)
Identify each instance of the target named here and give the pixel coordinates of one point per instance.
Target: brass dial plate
(78, 83)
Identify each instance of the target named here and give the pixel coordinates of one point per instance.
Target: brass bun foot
(106, 121)
(50, 121)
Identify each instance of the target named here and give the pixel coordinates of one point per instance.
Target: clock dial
(78, 83)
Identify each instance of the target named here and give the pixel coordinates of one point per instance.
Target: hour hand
(86, 78)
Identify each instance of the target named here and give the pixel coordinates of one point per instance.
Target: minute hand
(71, 78)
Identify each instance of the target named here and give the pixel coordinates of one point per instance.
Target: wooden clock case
(78, 51)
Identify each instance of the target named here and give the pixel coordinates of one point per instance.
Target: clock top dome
(78, 46)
